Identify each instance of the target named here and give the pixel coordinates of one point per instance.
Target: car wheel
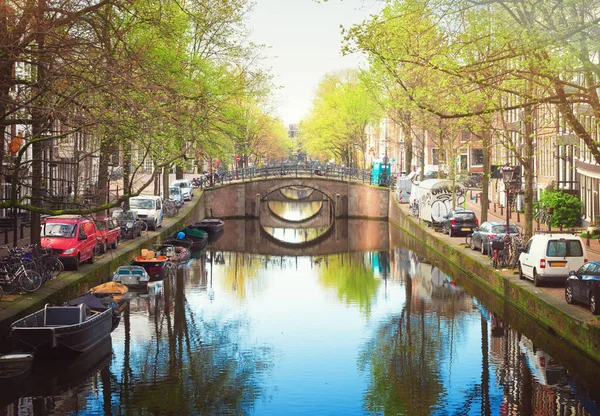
(536, 279)
(116, 243)
(450, 233)
(521, 275)
(482, 247)
(471, 244)
(92, 258)
(104, 247)
(569, 294)
(153, 226)
(594, 305)
(76, 267)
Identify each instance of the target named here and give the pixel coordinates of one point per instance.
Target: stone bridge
(248, 236)
(243, 199)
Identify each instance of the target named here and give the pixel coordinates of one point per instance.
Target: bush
(566, 208)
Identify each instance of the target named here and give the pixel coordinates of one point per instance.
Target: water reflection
(296, 236)
(297, 192)
(295, 211)
(376, 332)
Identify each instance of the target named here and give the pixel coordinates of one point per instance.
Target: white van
(187, 189)
(549, 257)
(149, 208)
(435, 198)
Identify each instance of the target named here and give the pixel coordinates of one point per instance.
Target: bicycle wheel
(495, 259)
(29, 280)
(55, 266)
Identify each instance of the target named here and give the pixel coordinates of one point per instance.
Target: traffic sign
(237, 158)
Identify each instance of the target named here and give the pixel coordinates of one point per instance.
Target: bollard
(587, 238)
(501, 210)
(518, 216)
(476, 198)
(560, 227)
(494, 207)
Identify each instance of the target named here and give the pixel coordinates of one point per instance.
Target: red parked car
(109, 232)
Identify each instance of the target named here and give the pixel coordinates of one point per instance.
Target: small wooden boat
(212, 238)
(150, 261)
(14, 367)
(174, 253)
(63, 329)
(134, 277)
(198, 237)
(116, 291)
(210, 225)
(181, 242)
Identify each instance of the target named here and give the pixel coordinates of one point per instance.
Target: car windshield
(465, 215)
(141, 203)
(174, 192)
(501, 229)
(122, 215)
(101, 225)
(59, 230)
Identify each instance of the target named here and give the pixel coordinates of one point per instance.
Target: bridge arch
(242, 199)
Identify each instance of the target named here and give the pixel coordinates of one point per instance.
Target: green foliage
(566, 208)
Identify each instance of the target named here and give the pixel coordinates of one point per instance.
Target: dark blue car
(584, 286)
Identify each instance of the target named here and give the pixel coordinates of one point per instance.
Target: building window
(435, 156)
(476, 157)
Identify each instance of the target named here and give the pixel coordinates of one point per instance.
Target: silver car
(489, 230)
(187, 189)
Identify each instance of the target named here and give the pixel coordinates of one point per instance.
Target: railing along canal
(295, 171)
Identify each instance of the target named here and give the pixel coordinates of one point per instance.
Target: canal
(328, 332)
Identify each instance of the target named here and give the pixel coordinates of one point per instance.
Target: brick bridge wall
(350, 199)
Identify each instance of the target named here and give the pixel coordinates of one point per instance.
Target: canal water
(329, 332)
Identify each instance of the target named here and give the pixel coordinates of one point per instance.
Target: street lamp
(509, 177)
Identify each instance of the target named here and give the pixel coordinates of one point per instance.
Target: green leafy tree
(566, 208)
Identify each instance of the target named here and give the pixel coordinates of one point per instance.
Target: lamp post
(509, 179)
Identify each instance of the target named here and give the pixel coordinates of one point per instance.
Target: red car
(109, 232)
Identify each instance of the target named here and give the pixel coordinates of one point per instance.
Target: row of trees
(488, 67)
(166, 80)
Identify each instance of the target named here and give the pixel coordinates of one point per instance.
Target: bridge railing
(293, 171)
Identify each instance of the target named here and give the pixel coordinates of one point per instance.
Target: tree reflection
(189, 364)
(352, 277)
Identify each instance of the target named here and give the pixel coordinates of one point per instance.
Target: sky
(305, 43)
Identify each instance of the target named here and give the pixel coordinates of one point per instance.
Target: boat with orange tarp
(150, 261)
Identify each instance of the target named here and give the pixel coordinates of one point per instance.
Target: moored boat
(63, 329)
(14, 367)
(173, 253)
(210, 225)
(132, 276)
(199, 238)
(150, 261)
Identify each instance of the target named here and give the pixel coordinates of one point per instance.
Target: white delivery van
(435, 199)
(404, 186)
(149, 208)
(549, 257)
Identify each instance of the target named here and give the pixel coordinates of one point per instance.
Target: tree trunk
(485, 180)
(527, 163)
(126, 174)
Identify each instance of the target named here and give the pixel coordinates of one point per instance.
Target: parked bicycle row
(27, 268)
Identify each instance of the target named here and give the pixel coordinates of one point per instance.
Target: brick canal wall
(71, 284)
(502, 290)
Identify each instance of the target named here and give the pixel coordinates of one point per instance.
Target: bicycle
(170, 208)
(18, 272)
(499, 252)
(413, 210)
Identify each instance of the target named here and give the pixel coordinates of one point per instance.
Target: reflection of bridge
(322, 218)
(247, 236)
(242, 199)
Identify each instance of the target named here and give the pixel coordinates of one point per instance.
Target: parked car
(109, 232)
(187, 189)
(459, 221)
(176, 195)
(583, 286)
(489, 230)
(71, 237)
(550, 257)
(149, 209)
(130, 223)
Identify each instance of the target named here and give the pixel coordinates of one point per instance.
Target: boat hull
(31, 334)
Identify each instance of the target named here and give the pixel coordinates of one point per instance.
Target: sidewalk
(593, 249)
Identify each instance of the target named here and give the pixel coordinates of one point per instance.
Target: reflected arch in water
(296, 192)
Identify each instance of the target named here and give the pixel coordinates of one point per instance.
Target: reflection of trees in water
(352, 276)
(190, 365)
(405, 356)
(295, 211)
(296, 235)
(241, 270)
